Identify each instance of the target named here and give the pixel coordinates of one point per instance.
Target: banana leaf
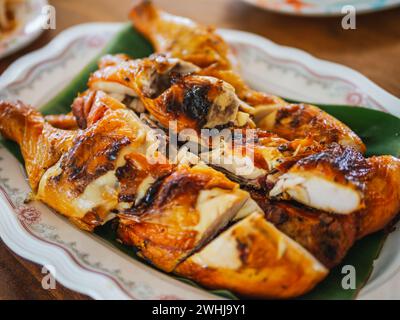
(380, 131)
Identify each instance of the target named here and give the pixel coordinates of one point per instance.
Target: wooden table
(373, 49)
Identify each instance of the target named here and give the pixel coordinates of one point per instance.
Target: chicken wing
(41, 144)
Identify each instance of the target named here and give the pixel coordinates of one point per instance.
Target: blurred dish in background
(21, 22)
(322, 7)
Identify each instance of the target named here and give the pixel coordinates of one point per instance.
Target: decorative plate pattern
(86, 263)
(322, 7)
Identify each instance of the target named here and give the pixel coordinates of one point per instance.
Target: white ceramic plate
(30, 26)
(86, 263)
(322, 7)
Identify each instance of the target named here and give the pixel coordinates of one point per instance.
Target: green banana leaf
(380, 132)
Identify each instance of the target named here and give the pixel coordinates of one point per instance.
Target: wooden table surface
(373, 49)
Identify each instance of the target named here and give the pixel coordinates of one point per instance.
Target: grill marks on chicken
(294, 120)
(169, 91)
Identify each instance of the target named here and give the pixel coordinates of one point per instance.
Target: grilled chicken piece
(332, 180)
(253, 258)
(327, 236)
(167, 89)
(184, 39)
(382, 194)
(73, 171)
(369, 186)
(41, 144)
(181, 37)
(299, 120)
(186, 209)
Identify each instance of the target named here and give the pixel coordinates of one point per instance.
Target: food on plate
(323, 175)
(183, 38)
(167, 212)
(296, 196)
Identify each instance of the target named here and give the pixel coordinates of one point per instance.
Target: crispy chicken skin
(382, 201)
(185, 39)
(41, 144)
(253, 258)
(295, 120)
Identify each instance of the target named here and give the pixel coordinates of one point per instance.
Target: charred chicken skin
(168, 90)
